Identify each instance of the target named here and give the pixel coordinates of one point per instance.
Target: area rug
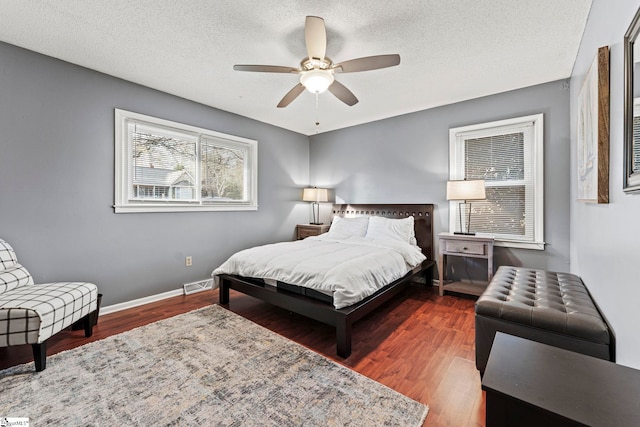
(208, 367)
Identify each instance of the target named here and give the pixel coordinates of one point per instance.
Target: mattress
(346, 270)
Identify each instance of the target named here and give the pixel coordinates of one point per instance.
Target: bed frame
(342, 319)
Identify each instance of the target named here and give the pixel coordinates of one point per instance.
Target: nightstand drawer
(306, 230)
(474, 248)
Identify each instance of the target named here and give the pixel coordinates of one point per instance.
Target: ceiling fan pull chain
(317, 113)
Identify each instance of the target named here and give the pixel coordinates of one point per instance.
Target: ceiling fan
(317, 71)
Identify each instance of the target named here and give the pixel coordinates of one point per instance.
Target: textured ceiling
(450, 50)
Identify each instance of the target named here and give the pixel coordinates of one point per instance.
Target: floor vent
(193, 287)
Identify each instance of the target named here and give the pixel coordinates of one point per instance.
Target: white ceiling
(451, 50)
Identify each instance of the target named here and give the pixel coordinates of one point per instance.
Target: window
(508, 155)
(163, 166)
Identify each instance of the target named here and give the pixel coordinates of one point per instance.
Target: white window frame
(124, 168)
(533, 126)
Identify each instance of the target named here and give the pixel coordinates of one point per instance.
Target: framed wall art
(593, 132)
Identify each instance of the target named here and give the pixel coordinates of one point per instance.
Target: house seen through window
(167, 166)
(508, 155)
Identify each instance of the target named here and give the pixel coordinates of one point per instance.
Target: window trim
(456, 135)
(124, 165)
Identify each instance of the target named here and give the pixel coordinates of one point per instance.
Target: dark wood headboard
(422, 215)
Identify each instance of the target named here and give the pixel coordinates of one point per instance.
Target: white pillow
(381, 228)
(347, 227)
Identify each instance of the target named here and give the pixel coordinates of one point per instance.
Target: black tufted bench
(543, 306)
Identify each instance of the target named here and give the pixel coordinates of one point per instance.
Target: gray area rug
(209, 367)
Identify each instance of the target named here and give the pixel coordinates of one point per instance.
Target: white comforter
(351, 269)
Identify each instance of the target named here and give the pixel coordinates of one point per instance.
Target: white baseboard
(140, 301)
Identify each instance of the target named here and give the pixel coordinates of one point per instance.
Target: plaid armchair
(31, 313)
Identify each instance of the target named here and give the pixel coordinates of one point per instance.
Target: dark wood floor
(420, 344)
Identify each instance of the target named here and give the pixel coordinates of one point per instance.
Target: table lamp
(315, 195)
(466, 190)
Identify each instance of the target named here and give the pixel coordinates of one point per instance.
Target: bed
(321, 305)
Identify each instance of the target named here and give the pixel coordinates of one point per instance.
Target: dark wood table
(533, 384)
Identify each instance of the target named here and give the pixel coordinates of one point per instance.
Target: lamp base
(316, 223)
(470, 233)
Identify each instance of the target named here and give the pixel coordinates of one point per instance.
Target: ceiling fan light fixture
(316, 70)
(316, 81)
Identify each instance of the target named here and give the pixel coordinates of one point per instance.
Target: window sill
(539, 246)
(183, 208)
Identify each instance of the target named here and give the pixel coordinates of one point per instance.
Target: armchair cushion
(32, 314)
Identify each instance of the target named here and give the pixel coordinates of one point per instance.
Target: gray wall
(405, 159)
(604, 237)
(57, 183)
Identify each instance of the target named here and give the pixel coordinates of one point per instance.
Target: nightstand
(469, 247)
(306, 230)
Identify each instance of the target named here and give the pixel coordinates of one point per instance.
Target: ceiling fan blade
(343, 94)
(291, 95)
(266, 68)
(367, 63)
(315, 36)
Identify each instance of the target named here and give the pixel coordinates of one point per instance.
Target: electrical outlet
(188, 261)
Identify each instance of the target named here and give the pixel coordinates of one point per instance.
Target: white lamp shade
(472, 189)
(316, 81)
(315, 195)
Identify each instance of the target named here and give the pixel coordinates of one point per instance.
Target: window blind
(164, 164)
(500, 161)
(636, 144)
(223, 171)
